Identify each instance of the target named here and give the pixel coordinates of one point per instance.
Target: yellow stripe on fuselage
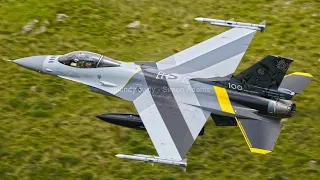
(223, 99)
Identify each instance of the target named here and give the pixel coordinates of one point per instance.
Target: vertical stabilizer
(266, 73)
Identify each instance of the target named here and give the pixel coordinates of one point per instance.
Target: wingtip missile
(119, 155)
(199, 19)
(154, 159)
(233, 24)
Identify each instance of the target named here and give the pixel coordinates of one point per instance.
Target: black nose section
(34, 63)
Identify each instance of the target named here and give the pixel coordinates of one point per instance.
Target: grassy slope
(47, 125)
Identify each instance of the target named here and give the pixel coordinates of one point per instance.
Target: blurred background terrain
(48, 128)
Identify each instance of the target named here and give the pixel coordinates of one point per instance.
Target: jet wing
(171, 125)
(260, 135)
(216, 57)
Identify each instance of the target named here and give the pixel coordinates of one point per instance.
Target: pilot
(86, 64)
(74, 62)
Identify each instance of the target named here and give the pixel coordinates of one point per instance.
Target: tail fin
(296, 82)
(267, 73)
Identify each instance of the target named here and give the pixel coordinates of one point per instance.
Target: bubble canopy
(85, 59)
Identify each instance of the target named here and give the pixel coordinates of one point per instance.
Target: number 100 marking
(234, 86)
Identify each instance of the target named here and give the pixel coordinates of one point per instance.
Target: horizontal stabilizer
(296, 82)
(261, 136)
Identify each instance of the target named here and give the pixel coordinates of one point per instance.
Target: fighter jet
(176, 95)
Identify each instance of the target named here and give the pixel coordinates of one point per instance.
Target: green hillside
(48, 128)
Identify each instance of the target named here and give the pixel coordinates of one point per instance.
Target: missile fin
(184, 168)
(151, 163)
(263, 22)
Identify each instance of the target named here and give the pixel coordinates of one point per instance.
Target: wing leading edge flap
(261, 136)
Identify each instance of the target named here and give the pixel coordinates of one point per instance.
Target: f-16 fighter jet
(175, 96)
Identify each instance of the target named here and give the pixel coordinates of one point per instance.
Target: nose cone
(34, 63)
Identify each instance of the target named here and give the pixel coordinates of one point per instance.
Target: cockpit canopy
(84, 59)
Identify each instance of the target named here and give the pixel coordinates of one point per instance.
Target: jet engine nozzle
(282, 108)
